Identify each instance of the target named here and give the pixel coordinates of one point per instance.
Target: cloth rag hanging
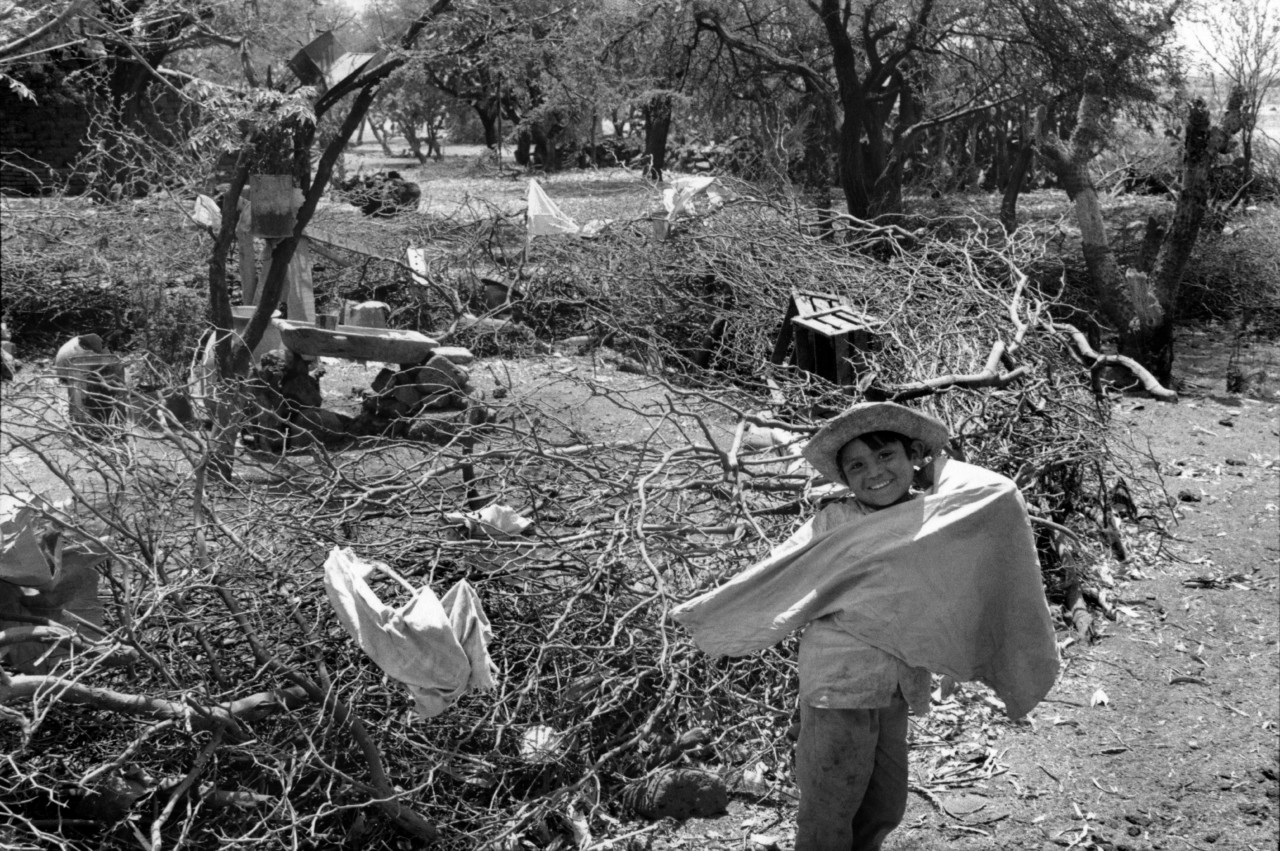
(678, 197)
(544, 217)
(437, 648)
(948, 581)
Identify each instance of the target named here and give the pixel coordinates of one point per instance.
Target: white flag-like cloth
(544, 217)
(418, 265)
(206, 212)
(438, 648)
(678, 198)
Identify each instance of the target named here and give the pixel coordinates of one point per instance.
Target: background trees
(869, 99)
(1240, 41)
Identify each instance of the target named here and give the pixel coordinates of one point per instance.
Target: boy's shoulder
(836, 509)
(953, 473)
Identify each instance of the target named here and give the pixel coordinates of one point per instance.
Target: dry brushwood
(643, 490)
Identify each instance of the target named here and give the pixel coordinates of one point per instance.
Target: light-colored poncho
(948, 581)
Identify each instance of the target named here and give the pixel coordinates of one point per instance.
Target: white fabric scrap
(437, 648)
(494, 521)
(544, 217)
(206, 212)
(417, 258)
(679, 196)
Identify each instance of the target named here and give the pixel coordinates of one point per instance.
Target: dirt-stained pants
(851, 767)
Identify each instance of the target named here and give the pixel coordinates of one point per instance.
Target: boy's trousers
(851, 767)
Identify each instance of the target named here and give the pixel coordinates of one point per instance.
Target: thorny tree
(1140, 303)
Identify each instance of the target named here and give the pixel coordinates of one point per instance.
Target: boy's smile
(879, 477)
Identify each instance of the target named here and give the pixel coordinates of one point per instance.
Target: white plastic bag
(438, 648)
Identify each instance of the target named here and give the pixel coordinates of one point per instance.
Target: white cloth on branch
(679, 196)
(438, 648)
(417, 258)
(544, 217)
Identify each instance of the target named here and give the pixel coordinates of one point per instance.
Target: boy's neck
(906, 497)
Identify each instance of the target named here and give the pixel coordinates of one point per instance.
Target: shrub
(1236, 273)
(44, 309)
(166, 321)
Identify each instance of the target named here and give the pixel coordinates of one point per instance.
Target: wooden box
(834, 343)
(802, 303)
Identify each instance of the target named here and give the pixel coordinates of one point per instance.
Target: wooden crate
(834, 343)
(801, 303)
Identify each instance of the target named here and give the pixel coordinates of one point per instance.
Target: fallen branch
(199, 716)
(1097, 362)
(990, 376)
(53, 634)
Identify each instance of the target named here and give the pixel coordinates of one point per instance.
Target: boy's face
(880, 477)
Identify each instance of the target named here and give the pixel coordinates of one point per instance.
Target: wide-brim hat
(823, 449)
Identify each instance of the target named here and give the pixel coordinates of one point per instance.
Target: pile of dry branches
(249, 715)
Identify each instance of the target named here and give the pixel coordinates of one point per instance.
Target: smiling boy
(889, 583)
(851, 758)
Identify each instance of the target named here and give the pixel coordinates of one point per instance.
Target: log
(348, 341)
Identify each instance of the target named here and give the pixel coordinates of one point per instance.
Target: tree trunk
(1014, 182)
(381, 136)
(868, 189)
(488, 114)
(657, 126)
(524, 148)
(433, 140)
(1150, 342)
(1070, 164)
(1140, 306)
(411, 136)
(819, 123)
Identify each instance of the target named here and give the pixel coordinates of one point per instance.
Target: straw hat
(823, 449)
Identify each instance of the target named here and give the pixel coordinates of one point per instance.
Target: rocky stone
(441, 426)
(679, 793)
(8, 363)
(281, 385)
(8, 360)
(439, 384)
(369, 314)
(573, 345)
(458, 354)
(322, 424)
(165, 403)
(382, 194)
